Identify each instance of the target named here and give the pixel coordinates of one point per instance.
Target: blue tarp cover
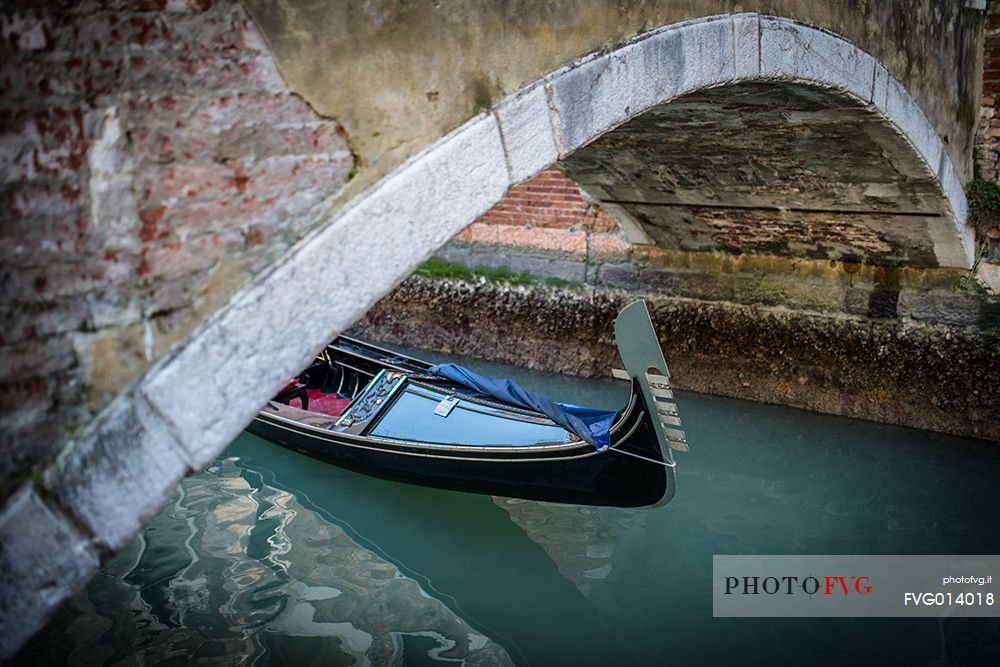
(590, 424)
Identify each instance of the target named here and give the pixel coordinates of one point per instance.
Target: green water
(269, 557)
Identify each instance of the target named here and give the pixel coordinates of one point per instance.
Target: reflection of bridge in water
(260, 578)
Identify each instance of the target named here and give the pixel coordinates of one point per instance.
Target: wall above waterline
(934, 377)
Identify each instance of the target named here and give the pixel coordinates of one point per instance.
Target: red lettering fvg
(847, 585)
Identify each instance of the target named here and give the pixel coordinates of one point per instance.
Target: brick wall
(544, 226)
(987, 150)
(548, 200)
(151, 161)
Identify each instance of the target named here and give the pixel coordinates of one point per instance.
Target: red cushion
(327, 404)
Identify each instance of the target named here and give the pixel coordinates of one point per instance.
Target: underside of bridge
(771, 168)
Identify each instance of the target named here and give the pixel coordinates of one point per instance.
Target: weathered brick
(64, 76)
(140, 31)
(608, 248)
(26, 32)
(234, 72)
(41, 200)
(241, 108)
(147, 116)
(986, 153)
(41, 243)
(28, 359)
(168, 261)
(223, 28)
(264, 141)
(153, 224)
(42, 144)
(211, 134)
(550, 199)
(46, 275)
(169, 184)
(555, 240)
(41, 319)
(598, 221)
(483, 233)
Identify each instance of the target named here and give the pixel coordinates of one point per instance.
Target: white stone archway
(210, 389)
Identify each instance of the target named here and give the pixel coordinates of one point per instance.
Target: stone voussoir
(746, 45)
(271, 330)
(43, 561)
(526, 126)
(904, 112)
(954, 192)
(602, 91)
(795, 51)
(117, 475)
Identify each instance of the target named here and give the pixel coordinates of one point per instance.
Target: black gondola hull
(581, 476)
(384, 414)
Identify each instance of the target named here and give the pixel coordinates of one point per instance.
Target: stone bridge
(200, 194)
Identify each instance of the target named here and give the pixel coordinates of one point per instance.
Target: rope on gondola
(672, 464)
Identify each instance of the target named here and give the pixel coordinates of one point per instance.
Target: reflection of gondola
(378, 412)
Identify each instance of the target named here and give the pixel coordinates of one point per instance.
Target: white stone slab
(590, 98)
(43, 561)
(791, 50)
(599, 93)
(680, 60)
(746, 35)
(115, 477)
(526, 127)
(904, 112)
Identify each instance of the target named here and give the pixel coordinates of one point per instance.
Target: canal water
(269, 557)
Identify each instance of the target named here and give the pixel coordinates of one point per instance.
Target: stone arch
(384, 233)
(192, 402)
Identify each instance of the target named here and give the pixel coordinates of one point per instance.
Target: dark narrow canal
(269, 557)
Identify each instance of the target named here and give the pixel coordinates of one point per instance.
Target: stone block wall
(152, 160)
(932, 377)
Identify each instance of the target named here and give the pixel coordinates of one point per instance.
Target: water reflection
(237, 570)
(463, 549)
(270, 557)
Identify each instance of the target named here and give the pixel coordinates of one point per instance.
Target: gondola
(386, 414)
